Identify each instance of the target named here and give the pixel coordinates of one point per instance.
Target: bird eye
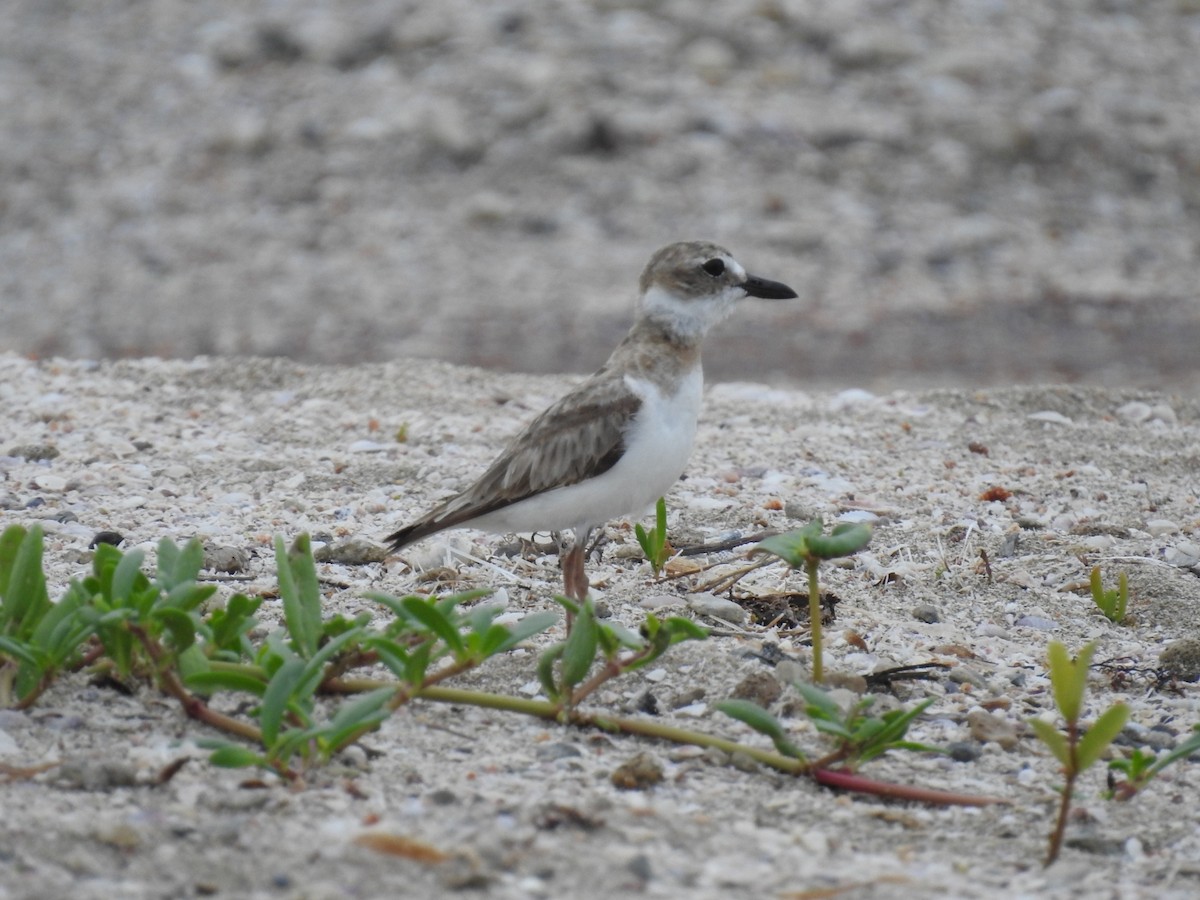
(714, 267)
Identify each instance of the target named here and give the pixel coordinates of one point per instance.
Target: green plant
(1141, 767)
(1075, 749)
(654, 543)
(563, 667)
(306, 701)
(858, 738)
(37, 638)
(807, 548)
(1111, 602)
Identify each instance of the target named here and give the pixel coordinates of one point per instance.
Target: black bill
(767, 290)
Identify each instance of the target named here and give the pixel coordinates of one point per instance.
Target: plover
(618, 441)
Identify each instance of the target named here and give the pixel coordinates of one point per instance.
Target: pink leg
(575, 581)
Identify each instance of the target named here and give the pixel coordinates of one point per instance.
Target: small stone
(794, 509)
(34, 452)
(986, 726)
(1181, 659)
(121, 835)
(927, 613)
(850, 682)
(1164, 414)
(106, 537)
(1039, 623)
(352, 552)
(1159, 527)
(658, 601)
(1050, 418)
(52, 483)
(557, 750)
(717, 607)
(1135, 412)
(991, 629)
(964, 751)
(711, 58)
(641, 772)
(687, 698)
(96, 775)
(760, 687)
(963, 675)
(365, 446)
(230, 560)
(1185, 554)
(639, 867)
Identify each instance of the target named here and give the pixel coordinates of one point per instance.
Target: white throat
(688, 318)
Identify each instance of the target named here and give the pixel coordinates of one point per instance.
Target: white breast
(657, 447)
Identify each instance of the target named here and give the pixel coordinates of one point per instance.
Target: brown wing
(579, 437)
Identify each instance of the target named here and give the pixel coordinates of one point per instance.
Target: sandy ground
(988, 191)
(236, 451)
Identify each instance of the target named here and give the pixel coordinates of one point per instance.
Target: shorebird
(617, 442)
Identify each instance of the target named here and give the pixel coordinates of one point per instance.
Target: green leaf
(820, 704)
(844, 540)
(1052, 738)
(1093, 744)
(545, 669)
(181, 626)
(277, 697)
(367, 710)
(187, 595)
(125, 586)
(229, 625)
(179, 566)
(10, 544)
(219, 680)
(1183, 750)
(300, 593)
(21, 652)
(580, 648)
(761, 721)
(231, 756)
(527, 627)
(1069, 678)
(25, 597)
(429, 616)
(791, 546)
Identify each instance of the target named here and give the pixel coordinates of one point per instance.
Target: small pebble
(53, 483)
(718, 607)
(926, 612)
(1159, 527)
(986, 727)
(106, 537)
(352, 552)
(34, 452)
(964, 751)
(759, 687)
(1037, 622)
(230, 560)
(641, 772)
(557, 750)
(1181, 659)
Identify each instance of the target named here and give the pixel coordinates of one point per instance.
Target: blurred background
(963, 193)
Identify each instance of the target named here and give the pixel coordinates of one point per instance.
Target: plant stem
(1064, 806)
(196, 708)
(814, 617)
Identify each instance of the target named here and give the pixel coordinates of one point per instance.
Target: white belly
(657, 449)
